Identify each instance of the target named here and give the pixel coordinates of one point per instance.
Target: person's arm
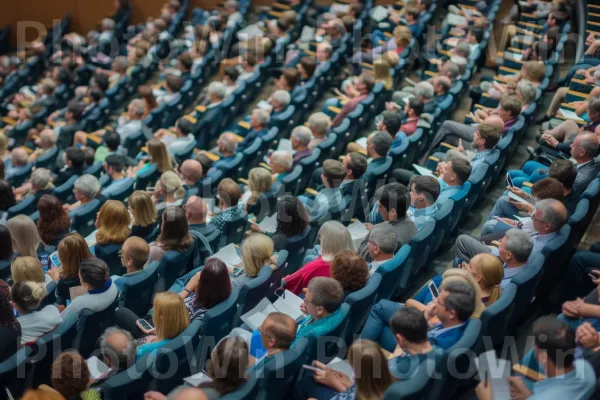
(190, 287)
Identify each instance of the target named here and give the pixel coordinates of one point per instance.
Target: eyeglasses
(120, 252)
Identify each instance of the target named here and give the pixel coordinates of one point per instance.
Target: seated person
(178, 139)
(532, 71)
(196, 212)
(114, 166)
(319, 124)
(173, 84)
(424, 192)
(281, 162)
(525, 91)
(300, 137)
(45, 143)
(85, 189)
(118, 352)
(39, 184)
(378, 146)
(514, 251)
(34, 320)
(383, 244)
(329, 199)
(134, 256)
(18, 163)
(259, 122)
(278, 332)
(74, 165)
(354, 94)
(190, 173)
(412, 112)
(227, 145)
(168, 191)
(229, 195)
(66, 130)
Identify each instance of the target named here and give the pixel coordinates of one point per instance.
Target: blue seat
(400, 155)
(147, 177)
(252, 293)
(137, 291)
(95, 169)
(90, 326)
(296, 247)
(391, 271)
(277, 275)
(248, 391)
(280, 371)
(420, 245)
(289, 183)
(414, 388)
(325, 347)
(360, 303)
(579, 221)
(494, 319)
(265, 205)
(172, 265)
(459, 199)
(131, 383)
(378, 177)
(26, 206)
(526, 282)
(557, 253)
(308, 164)
(20, 177)
(478, 180)
(83, 218)
(110, 254)
(50, 292)
(48, 159)
(185, 153)
(233, 231)
(123, 193)
(64, 192)
(134, 143)
(442, 222)
(15, 372)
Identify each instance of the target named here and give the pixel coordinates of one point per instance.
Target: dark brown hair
(54, 220)
(174, 232)
(214, 285)
(70, 374)
(350, 270)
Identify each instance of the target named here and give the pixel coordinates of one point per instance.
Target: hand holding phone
(145, 326)
(433, 289)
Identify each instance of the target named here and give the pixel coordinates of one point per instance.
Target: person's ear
(399, 339)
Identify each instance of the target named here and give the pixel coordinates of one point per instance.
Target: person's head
(173, 83)
(74, 158)
(7, 196)
(549, 216)
(228, 364)
(355, 165)
(350, 270)
(370, 365)
(142, 208)
(382, 73)
(455, 303)
(402, 36)
(185, 62)
(112, 140)
(256, 252)
(488, 272)
(18, 157)
(365, 83)
(6, 249)
(319, 124)
(93, 273)
(324, 51)
(306, 67)
(594, 109)
(24, 234)
(118, 348)
(287, 80)
(486, 137)
(72, 250)
(390, 122)
(183, 127)
(441, 85)
(170, 315)
(324, 296)
(41, 394)
(230, 75)
(214, 285)
(424, 191)
(424, 91)
(86, 188)
(414, 108)
(191, 171)
(134, 254)
(333, 173)
(411, 15)
(300, 138)
(280, 161)
(547, 188)
(383, 242)
(379, 144)
(174, 230)
(474, 34)
(409, 327)
(113, 223)
(216, 91)
(114, 165)
(27, 269)
(584, 147)
(53, 220)
(457, 171)
(392, 201)
(450, 70)
(171, 185)
(534, 71)
(136, 109)
(196, 210)
(74, 111)
(259, 182)
(159, 155)
(47, 138)
(334, 237)
(292, 218)
(515, 247)
(227, 144)
(462, 49)
(563, 171)
(510, 107)
(278, 331)
(554, 344)
(259, 119)
(70, 374)
(229, 193)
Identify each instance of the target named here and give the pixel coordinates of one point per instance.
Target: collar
(510, 272)
(584, 164)
(107, 286)
(439, 329)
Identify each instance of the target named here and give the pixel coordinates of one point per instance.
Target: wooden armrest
(275, 13)
(265, 166)
(9, 121)
(500, 54)
(94, 138)
(515, 50)
(284, 6)
(528, 184)
(446, 53)
(387, 34)
(201, 108)
(242, 180)
(190, 118)
(530, 25)
(593, 23)
(244, 124)
(366, 65)
(591, 31)
(311, 191)
(430, 73)
(527, 35)
(52, 124)
(336, 110)
(238, 137)
(568, 106)
(448, 146)
(144, 149)
(361, 150)
(578, 94)
(310, 53)
(593, 6)
(506, 69)
(211, 156)
(434, 158)
(501, 78)
(528, 15)
(528, 373)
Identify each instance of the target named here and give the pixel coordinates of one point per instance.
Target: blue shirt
(539, 241)
(117, 186)
(421, 215)
(446, 191)
(478, 158)
(321, 327)
(445, 338)
(399, 139)
(326, 200)
(150, 347)
(510, 273)
(577, 384)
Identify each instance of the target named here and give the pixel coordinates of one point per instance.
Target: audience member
(54, 222)
(27, 297)
(174, 234)
(143, 214)
(10, 329)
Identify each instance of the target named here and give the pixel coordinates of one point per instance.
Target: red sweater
(299, 279)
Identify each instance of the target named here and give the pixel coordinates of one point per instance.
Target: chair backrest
(26, 206)
(526, 282)
(218, 321)
(459, 199)
(173, 265)
(420, 245)
(277, 275)
(280, 371)
(414, 388)
(495, 317)
(253, 292)
(297, 246)
(95, 169)
(47, 159)
(330, 341)
(442, 220)
(64, 192)
(91, 325)
(557, 252)
(234, 230)
(578, 221)
(360, 303)
(390, 273)
(150, 175)
(137, 291)
(131, 383)
(248, 391)
(109, 253)
(378, 177)
(83, 218)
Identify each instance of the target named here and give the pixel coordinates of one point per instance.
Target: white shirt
(37, 323)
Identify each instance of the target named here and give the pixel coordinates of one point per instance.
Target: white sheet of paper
(228, 255)
(269, 224)
(210, 204)
(457, 20)
(250, 32)
(343, 366)
(285, 145)
(362, 142)
(497, 370)
(197, 379)
(569, 114)
(357, 230)
(289, 309)
(513, 196)
(308, 33)
(91, 239)
(96, 367)
(514, 56)
(379, 13)
(293, 299)
(423, 171)
(337, 8)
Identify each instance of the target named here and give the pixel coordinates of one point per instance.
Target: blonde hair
(334, 237)
(24, 234)
(40, 394)
(403, 35)
(171, 183)
(28, 295)
(142, 208)
(383, 74)
(159, 156)
(371, 369)
(170, 315)
(457, 274)
(112, 223)
(3, 143)
(259, 181)
(491, 271)
(72, 250)
(391, 58)
(535, 71)
(27, 269)
(256, 252)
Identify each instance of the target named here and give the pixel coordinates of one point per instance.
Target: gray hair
(553, 212)
(327, 293)
(122, 62)
(19, 156)
(338, 25)
(334, 237)
(384, 236)
(594, 105)
(460, 299)
(326, 47)
(319, 122)
(108, 24)
(596, 74)
(261, 116)
(89, 185)
(382, 142)
(453, 69)
(283, 158)
(424, 89)
(218, 89)
(302, 134)
(41, 178)
(527, 90)
(589, 142)
(139, 106)
(460, 62)
(283, 97)
(47, 138)
(120, 359)
(519, 243)
(463, 47)
(229, 142)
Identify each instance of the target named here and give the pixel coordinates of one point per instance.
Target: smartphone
(509, 181)
(433, 289)
(54, 260)
(145, 326)
(310, 368)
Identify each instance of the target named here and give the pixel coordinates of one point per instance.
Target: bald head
(227, 143)
(117, 348)
(47, 138)
(19, 157)
(279, 331)
(196, 210)
(191, 171)
(187, 393)
(495, 121)
(550, 216)
(584, 147)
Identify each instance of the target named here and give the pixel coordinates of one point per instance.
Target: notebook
(423, 171)
(96, 367)
(569, 114)
(288, 303)
(513, 196)
(250, 32)
(228, 255)
(357, 230)
(269, 224)
(488, 365)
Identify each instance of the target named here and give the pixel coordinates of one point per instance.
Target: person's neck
(85, 200)
(117, 175)
(583, 160)
(418, 348)
(227, 154)
(274, 350)
(382, 257)
(514, 264)
(301, 148)
(170, 198)
(453, 183)
(197, 221)
(419, 205)
(348, 178)
(552, 371)
(451, 323)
